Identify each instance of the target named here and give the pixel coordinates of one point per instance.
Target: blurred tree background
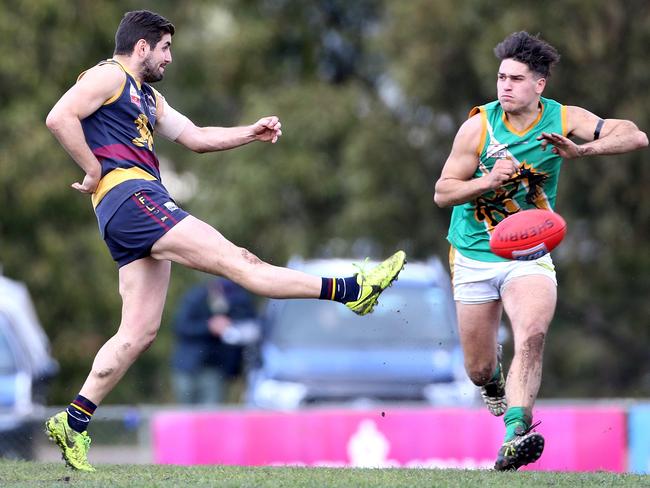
(370, 94)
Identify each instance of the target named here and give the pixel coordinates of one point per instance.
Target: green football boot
(74, 446)
(524, 448)
(494, 392)
(375, 281)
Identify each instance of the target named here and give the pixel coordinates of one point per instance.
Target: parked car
(407, 350)
(26, 367)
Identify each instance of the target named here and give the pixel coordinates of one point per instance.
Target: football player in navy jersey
(106, 122)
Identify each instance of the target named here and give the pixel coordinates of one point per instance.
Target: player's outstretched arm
(179, 128)
(96, 86)
(603, 136)
(457, 184)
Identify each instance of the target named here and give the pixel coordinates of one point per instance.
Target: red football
(527, 235)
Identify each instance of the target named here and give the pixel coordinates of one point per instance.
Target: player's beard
(151, 71)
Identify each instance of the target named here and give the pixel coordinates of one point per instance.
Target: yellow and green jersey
(533, 186)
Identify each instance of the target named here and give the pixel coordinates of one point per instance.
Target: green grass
(22, 473)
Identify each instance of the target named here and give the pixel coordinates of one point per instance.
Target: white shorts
(481, 282)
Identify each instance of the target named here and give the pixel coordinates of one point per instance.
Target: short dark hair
(533, 51)
(141, 24)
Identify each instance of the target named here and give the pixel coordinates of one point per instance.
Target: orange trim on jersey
(484, 122)
(115, 177)
(527, 129)
(565, 126)
(481, 142)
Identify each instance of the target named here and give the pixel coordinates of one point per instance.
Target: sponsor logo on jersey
(500, 151)
(171, 206)
(135, 98)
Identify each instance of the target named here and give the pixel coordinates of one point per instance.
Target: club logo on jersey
(492, 207)
(146, 137)
(135, 97)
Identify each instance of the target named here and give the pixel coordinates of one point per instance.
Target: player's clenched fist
(501, 172)
(267, 129)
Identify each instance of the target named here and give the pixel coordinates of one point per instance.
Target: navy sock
(340, 289)
(80, 411)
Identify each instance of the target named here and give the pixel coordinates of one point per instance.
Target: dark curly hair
(533, 51)
(141, 24)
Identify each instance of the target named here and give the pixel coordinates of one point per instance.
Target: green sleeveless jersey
(533, 186)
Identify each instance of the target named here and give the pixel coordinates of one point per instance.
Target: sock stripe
(79, 413)
(341, 290)
(81, 409)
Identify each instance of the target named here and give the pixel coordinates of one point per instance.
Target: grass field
(21, 473)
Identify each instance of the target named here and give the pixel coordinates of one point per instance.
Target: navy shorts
(143, 218)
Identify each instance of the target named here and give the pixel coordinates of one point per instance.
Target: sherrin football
(528, 234)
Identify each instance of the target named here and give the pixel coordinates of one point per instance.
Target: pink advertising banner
(577, 439)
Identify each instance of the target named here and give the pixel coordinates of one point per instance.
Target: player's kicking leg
(197, 245)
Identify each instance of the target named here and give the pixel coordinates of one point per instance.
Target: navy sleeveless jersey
(120, 135)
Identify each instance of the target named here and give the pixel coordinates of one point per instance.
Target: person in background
(212, 325)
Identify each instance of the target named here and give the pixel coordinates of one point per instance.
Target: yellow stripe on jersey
(118, 92)
(484, 122)
(115, 177)
(481, 142)
(117, 95)
(564, 121)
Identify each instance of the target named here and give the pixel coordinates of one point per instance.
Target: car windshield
(415, 317)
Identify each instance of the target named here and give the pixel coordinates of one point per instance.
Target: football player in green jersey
(505, 158)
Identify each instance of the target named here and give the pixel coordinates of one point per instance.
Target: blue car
(407, 350)
(26, 368)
